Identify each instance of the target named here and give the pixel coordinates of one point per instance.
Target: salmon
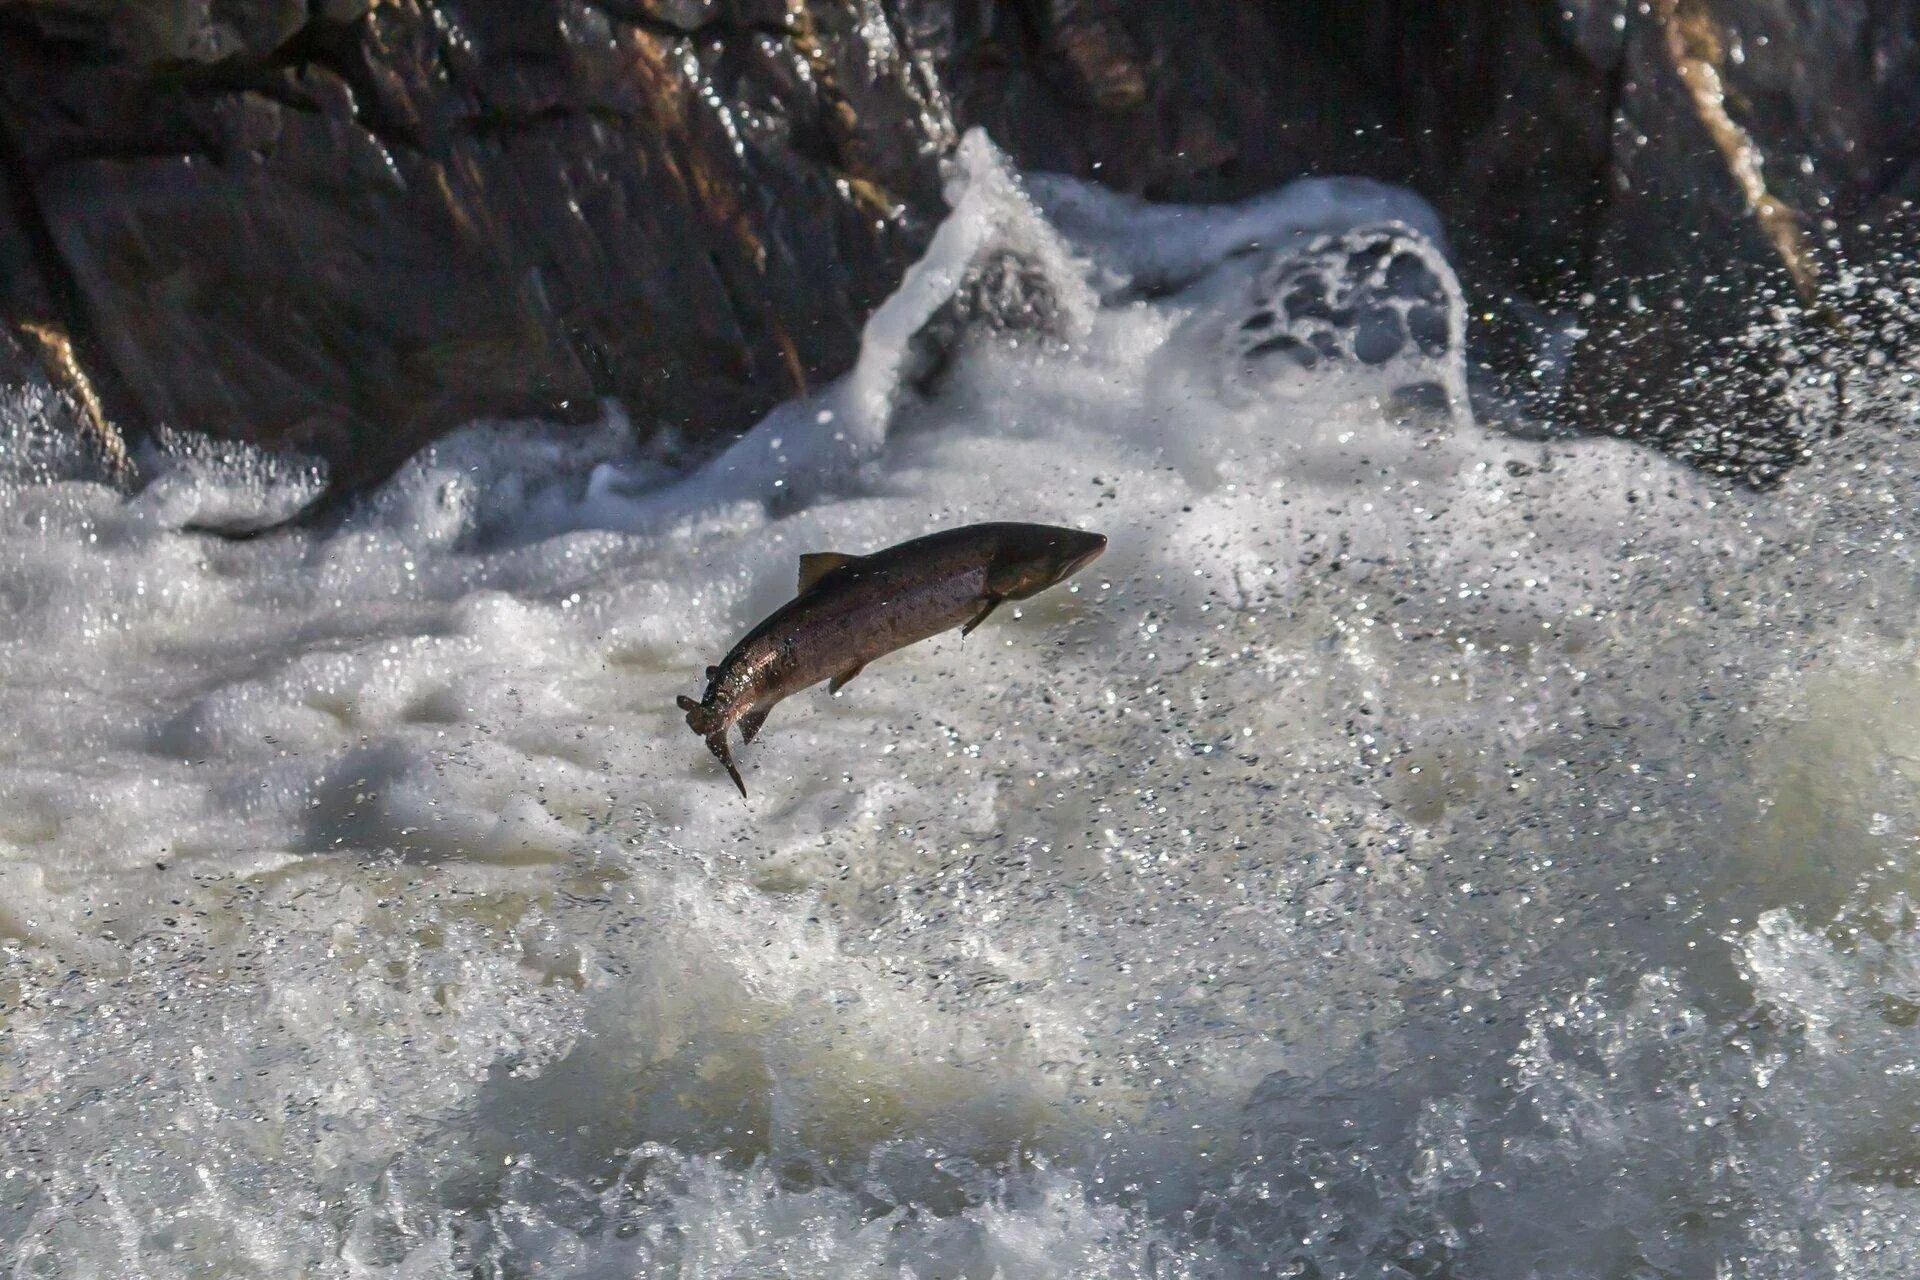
(853, 609)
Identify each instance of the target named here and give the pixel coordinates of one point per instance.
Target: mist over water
(1412, 850)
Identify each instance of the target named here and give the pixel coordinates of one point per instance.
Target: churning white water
(1412, 851)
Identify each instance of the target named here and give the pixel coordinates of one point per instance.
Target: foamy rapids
(1415, 849)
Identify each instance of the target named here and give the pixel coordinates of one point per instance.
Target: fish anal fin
(993, 602)
(750, 724)
(841, 681)
(816, 565)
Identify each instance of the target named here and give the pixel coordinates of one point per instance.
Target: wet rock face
(348, 225)
(352, 230)
(1673, 182)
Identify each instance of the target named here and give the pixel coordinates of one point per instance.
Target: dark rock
(1755, 150)
(1495, 111)
(682, 15)
(347, 226)
(348, 238)
(1695, 281)
(1579, 173)
(38, 351)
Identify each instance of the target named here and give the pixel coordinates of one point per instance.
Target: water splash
(1417, 851)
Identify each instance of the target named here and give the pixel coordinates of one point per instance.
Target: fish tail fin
(703, 720)
(717, 743)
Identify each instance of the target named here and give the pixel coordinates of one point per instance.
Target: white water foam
(1412, 851)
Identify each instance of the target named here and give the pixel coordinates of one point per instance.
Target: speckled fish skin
(851, 610)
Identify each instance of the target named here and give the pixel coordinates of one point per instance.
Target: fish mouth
(1087, 557)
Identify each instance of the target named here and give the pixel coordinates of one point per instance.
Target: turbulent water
(1413, 851)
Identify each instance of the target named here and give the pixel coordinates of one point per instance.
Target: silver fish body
(853, 609)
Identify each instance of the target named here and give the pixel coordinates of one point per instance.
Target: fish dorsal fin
(816, 565)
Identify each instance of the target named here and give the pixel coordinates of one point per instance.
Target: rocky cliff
(348, 226)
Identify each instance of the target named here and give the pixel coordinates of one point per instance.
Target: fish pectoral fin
(993, 602)
(751, 722)
(841, 681)
(816, 565)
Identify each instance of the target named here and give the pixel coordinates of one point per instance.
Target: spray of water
(1412, 851)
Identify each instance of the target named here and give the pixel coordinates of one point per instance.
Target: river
(1418, 848)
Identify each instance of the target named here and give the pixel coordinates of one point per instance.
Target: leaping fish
(853, 609)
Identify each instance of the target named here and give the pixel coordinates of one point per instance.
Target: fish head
(1034, 557)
